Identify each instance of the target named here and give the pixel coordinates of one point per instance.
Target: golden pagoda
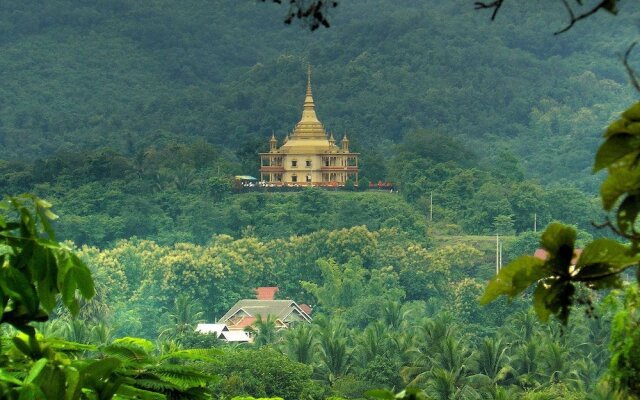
(308, 156)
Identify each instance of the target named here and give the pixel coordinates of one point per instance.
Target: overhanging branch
(481, 5)
(608, 5)
(633, 75)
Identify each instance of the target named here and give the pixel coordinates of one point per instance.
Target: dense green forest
(132, 118)
(116, 106)
(388, 312)
(129, 76)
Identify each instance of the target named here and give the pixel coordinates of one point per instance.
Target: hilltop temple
(308, 156)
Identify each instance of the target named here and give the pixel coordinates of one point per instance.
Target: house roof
(244, 322)
(236, 336)
(212, 328)
(248, 310)
(306, 308)
(266, 292)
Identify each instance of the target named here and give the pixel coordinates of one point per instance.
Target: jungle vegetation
(117, 112)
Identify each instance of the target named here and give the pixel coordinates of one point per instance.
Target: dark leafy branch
(607, 5)
(314, 12)
(633, 75)
(495, 5)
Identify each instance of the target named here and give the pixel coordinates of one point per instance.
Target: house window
(308, 178)
(308, 163)
(294, 178)
(294, 163)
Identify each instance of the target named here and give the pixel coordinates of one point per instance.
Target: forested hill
(127, 75)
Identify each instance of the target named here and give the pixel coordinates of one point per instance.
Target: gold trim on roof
(309, 126)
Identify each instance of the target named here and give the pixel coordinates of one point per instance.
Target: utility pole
(431, 207)
(497, 253)
(535, 222)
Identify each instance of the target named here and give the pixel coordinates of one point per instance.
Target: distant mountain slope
(128, 75)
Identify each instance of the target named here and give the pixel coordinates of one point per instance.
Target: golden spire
(309, 126)
(309, 109)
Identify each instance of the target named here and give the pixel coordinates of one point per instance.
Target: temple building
(308, 156)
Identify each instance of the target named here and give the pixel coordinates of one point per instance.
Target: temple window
(294, 178)
(308, 178)
(308, 163)
(294, 163)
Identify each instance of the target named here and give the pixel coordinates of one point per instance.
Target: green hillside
(118, 109)
(127, 120)
(128, 75)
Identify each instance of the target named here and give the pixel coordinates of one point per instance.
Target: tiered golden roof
(308, 156)
(309, 134)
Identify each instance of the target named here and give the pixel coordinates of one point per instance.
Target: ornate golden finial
(309, 108)
(273, 136)
(308, 101)
(345, 142)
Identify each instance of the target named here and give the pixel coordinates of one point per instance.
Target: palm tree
(597, 330)
(526, 364)
(492, 360)
(500, 393)
(264, 330)
(374, 341)
(453, 356)
(335, 355)
(449, 385)
(435, 331)
(394, 314)
(439, 349)
(557, 364)
(75, 331)
(442, 385)
(183, 318)
(141, 373)
(587, 374)
(101, 333)
(523, 325)
(301, 344)
(184, 177)
(402, 343)
(428, 344)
